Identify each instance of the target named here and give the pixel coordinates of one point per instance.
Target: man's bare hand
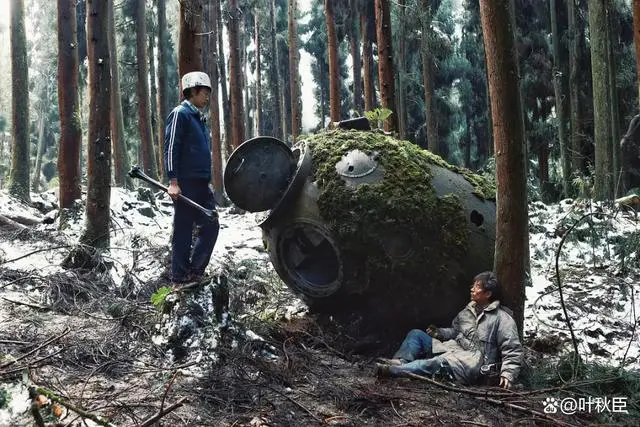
(433, 331)
(505, 383)
(174, 190)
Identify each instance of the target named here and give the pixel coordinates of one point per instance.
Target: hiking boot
(198, 277)
(381, 370)
(391, 362)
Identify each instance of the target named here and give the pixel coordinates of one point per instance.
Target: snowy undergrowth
(599, 270)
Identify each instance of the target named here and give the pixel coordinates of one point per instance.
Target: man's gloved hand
(174, 189)
(505, 383)
(433, 331)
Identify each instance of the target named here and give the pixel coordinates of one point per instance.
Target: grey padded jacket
(473, 341)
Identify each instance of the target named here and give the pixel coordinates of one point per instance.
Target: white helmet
(195, 78)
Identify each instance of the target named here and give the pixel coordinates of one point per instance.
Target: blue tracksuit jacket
(187, 146)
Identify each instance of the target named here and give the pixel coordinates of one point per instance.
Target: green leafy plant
(377, 116)
(159, 297)
(4, 398)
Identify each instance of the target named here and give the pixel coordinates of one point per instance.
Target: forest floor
(241, 350)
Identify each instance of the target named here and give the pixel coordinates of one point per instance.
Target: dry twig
(83, 413)
(308, 411)
(44, 344)
(547, 418)
(32, 364)
(27, 304)
(151, 420)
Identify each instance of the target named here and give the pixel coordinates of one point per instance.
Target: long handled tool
(136, 172)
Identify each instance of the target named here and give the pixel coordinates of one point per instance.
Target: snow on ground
(134, 219)
(599, 270)
(600, 294)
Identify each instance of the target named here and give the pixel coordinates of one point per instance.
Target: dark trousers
(189, 258)
(416, 345)
(416, 353)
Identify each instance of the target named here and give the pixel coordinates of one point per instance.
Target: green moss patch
(404, 202)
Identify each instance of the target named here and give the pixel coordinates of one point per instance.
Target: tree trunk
(190, 43)
(142, 89)
(334, 72)
(163, 57)
(293, 70)
(206, 47)
(35, 182)
(636, 40)
(574, 88)
(286, 95)
(543, 160)
(96, 233)
(512, 238)
(613, 28)
(216, 140)
(258, 119)
(68, 105)
(121, 162)
(560, 99)
(490, 145)
(19, 175)
(323, 100)
(222, 68)
(603, 185)
(402, 58)
(2, 154)
(153, 97)
(427, 78)
(385, 63)
(467, 147)
(367, 60)
(275, 74)
(235, 77)
(354, 46)
(244, 73)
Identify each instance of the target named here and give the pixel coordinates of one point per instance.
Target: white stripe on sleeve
(172, 137)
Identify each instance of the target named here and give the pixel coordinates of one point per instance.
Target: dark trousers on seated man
(416, 355)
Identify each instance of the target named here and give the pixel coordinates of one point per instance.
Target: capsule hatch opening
(311, 259)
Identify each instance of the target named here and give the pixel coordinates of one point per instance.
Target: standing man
(187, 153)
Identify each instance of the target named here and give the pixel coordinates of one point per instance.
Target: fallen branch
(44, 344)
(510, 393)
(166, 392)
(84, 414)
(8, 223)
(27, 304)
(480, 395)
(525, 409)
(635, 324)
(153, 419)
(14, 342)
(19, 279)
(574, 340)
(23, 220)
(37, 416)
(33, 253)
(308, 411)
(469, 391)
(32, 364)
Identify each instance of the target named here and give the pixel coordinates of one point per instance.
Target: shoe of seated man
(390, 362)
(382, 370)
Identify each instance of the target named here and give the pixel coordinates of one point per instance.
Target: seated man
(483, 339)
